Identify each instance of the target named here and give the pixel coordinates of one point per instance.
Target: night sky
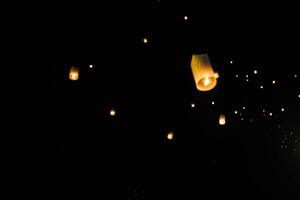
(135, 60)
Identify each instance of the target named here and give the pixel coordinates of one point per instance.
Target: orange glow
(74, 73)
(204, 76)
(112, 112)
(222, 120)
(170, 135)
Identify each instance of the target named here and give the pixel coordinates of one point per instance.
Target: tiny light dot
(145, 40)
(264, 110)
(295, 75)
(185, 17)
(213, 103)
(235, 112)
(193, 105)
(282, 109)
(299, 95)
(247, 76)
(273, 81)
(242, 119)
(91, 66)
(270, 114)
(244, 107)
(247, 80)
(261, 87)
(255, 71)
(237, 75)
(231, 62)
(170, 135)
(112, 112)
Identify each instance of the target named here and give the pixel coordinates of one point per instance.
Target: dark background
(83, 153)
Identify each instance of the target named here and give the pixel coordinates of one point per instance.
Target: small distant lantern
(170, 135)
(74, 73)
(204, 76)
(112, 112)
(222, 120)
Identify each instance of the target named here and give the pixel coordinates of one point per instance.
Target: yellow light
(204, 76)
(112, 112)
(273, 82)
(170, 135)
(222, 120)
(145, 40)
(271, 114)
(255, 71)
(74, 73)
(206, 81)
(185, 17)
(193, 105)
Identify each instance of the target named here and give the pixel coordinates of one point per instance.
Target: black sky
(86, 154)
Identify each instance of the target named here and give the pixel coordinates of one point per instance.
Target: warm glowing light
(235, 112)
(170, 135)
(273, 82)
(145, 40)
(255, 71)
(112, 112)
(74, 73)
(185, 17)
(270, 114)
(204, 76)
(222, 120)
(193, 105)
(91, 66)
(282, 109)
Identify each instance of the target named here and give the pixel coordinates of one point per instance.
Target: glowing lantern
(74, 73)
(204, 76)
(170, 135)
(222, 120)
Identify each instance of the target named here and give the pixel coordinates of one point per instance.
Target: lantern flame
(74, 73)
(222, 119)
(204, 76)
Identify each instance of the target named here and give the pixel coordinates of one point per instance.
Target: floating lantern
(74, 73)
(112, 112)
(170, 135)
(204, 76)
(222, 120)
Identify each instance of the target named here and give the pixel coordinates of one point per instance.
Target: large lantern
(74, 73)
(222, 119)
(204, 76)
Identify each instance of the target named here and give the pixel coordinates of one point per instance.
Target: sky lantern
(222, 119)
(204, 75)
(74, 73)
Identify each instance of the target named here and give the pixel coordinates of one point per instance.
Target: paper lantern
(74, 73)
(222, 119)
(204, 76)
(170, 135)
